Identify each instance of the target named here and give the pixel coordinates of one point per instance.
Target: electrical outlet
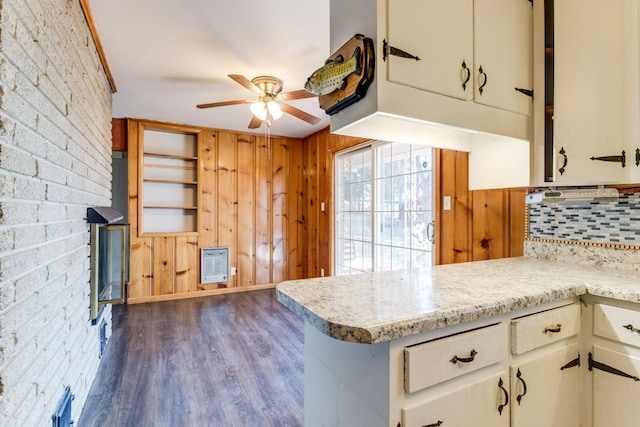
(322, 206)
(322, 272)
(233, 271)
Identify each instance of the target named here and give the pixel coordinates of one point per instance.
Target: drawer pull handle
(506, 396)
(524, 385)
(632, 329)
(553, 329)
(472, 356)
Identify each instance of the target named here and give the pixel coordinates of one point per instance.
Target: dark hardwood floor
(224, 360)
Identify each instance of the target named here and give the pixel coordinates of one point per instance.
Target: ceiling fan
(268, 105)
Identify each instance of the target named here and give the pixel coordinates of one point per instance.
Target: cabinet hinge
(606, 368)
(390, 50)
(528, 92)
(620, 159)
(575, 362)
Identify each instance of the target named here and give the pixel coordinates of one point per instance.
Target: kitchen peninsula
(405, 348)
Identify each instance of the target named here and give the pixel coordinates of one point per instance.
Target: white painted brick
(26, 187)
(16, 160)
(55, 123)
(28, 236)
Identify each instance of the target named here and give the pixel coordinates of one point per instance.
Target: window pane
(420, 259)
(367, 226)
(384, 160)
(401, 155)
(384, 222)
(419, 225)
(421, 158)
(401, 258)
(392, 233)
(383, 258)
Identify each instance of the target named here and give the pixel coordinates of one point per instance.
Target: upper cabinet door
(440, 33)
(588, 83)
(504, 54)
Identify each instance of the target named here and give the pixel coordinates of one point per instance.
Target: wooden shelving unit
(169, 183)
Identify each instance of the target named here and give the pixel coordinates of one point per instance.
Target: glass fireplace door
(109, 265)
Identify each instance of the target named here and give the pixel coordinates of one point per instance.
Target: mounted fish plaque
(346, 75)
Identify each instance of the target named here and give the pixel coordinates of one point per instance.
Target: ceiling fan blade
(246, 83)
(300, 114)
(255, 122)
(296, 94)
(223, 103)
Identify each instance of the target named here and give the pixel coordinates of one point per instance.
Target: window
(384, 209)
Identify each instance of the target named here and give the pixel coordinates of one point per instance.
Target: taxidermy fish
(333, 75)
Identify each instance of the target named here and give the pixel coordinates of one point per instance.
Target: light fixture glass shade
(274, 110)
(259, 109)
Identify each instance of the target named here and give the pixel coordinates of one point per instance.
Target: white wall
(55, 161)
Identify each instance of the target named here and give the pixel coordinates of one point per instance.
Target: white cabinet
(542, 387)
(480, 402)
(616, 397)
(615, 364)
(436, 361)
(545, 389)
(503, 52)
(420, 27)
(432, 395)
(586, 73)
(545, 372)
(424, 102)
(472, 50)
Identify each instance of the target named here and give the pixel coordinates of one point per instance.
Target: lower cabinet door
(616, 389)
(480, 403)
(545, 391)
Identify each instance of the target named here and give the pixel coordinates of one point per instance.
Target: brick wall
(55, 161)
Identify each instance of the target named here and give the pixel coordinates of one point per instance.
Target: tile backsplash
(595, 222)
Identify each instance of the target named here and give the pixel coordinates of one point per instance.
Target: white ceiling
(166, 56)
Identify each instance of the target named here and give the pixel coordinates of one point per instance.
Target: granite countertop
(377, 307)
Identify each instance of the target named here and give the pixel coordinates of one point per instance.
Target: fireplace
(109, 258)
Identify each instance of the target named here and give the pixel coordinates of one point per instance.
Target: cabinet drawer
(618, 324)
(436, 361)
(544, 328)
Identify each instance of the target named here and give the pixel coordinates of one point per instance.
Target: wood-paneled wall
(266, 203)
(480, 225)
(251, 201)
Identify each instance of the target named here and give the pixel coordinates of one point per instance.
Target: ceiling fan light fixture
(274, 110)
(259, 109)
